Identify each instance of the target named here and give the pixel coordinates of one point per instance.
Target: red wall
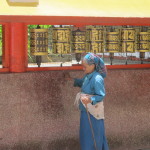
(37, 112)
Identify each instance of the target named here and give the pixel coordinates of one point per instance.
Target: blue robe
(92, 84)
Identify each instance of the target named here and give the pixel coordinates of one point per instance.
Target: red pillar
(18, 47)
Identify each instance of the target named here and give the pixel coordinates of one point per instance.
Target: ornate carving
(78, 41)
(94, 38)
(128, 40)
(39, 42)
(61, 40)
(112, 42)
(143, 41)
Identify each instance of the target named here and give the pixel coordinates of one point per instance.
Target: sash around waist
(96, 110)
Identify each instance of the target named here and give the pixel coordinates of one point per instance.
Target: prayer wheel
(39, 42)
(128, 40)
(143, 42)
(94, 39)
(61, 40)
(78, 41)
(112, 42)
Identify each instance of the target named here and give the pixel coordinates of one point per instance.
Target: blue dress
(92, 84)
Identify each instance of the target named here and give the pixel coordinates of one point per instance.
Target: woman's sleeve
(99, 90)
(78, 82)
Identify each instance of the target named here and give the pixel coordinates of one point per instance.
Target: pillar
(18, 47)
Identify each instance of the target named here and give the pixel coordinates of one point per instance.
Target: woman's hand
(85, 100)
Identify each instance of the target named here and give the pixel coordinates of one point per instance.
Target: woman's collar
(90, 74)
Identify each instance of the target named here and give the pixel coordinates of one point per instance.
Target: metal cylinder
(143, 42)
(94, 39)
(39, 42)
(112, 42)
(128, 40)
(61, 40)
(78, 41)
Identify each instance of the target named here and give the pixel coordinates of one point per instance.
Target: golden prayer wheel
(39, 42)
(128, 40)
(78, 41)
(61, 40)
(94, 39)
(143, 42)
(112, 42)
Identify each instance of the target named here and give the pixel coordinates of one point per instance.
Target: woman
(92, 131)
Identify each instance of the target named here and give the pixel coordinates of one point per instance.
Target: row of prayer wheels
(96, 39)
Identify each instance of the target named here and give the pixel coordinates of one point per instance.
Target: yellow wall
(106, 8)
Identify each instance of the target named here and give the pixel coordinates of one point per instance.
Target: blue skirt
(86, 139)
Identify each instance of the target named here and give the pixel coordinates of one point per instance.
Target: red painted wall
(37, 111)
